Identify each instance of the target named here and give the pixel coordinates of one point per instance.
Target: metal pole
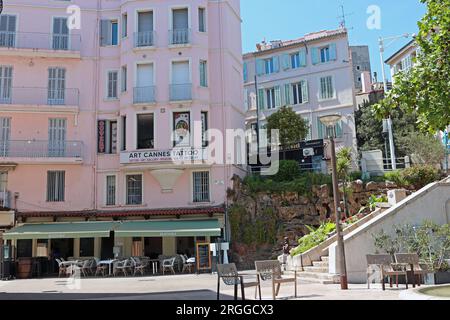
(391, 134)
(257, 114)
(340, 238)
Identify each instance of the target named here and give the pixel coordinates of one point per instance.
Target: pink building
(87, 115)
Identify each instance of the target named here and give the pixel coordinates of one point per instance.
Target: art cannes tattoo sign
(173, 155)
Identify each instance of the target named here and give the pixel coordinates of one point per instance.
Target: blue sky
(290, 19)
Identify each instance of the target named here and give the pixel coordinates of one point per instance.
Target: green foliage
(261, 231)
(301, 185)
(396, 177)
(374, 200)
(288, 170)
(344, 162)
(425, 89)
(355, 175)
(424, 149)
(429, 240)
(292, 127)
(314, 238)
(420, 176)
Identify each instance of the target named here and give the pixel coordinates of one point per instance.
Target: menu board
(203, 257)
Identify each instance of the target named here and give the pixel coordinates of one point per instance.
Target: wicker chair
(230, 277)
(413, 261)
(62, 268)
(124, 267)
(271, 270)
(384, 265)
(168, 264)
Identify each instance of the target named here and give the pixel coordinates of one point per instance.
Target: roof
(306, 38)
(126, 213)
(401, 50)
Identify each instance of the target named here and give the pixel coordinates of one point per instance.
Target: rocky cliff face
(292, 212)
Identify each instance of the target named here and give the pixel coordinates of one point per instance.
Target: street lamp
(383, 71)
(330, 122)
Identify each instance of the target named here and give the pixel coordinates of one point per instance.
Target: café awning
(172, 228)
(67, 230)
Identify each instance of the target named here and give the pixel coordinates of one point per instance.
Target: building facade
(361, 64)
(90, 118)
(313, 74)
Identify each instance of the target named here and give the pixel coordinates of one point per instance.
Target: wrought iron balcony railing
(39, 96)
(43, 41)
(181, 92)
(144, 94)
(41, 149)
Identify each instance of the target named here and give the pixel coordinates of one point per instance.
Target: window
(201, 20)
(270, 98)
(324, 54)
(56, 86)
(204, 129)
(24, 248)
(111, 190)
(295, 60)
(326, 88)
(201, 186)
(203, 74)
(406, 63)
(300, 92)
(123, 79)
(109, 33)
(124, 25)
(180, 26)
(86, 247)
(60, 34)
(145, 131)
(112, 84)
(145, 35)
(55, 186)
(107, 136)
(57, 128)
(7, 30)
(5, 84)
(269, 66)
(124, 133)
(325, 132)
(134, 189)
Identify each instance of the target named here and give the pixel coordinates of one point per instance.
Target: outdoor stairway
(317, 273)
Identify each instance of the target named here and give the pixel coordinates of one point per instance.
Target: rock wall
(293, 213)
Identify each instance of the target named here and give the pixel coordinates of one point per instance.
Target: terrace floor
(178, 287)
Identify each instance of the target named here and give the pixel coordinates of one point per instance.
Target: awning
(61, 230)
(172, 228)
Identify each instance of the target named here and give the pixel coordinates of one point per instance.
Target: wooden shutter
(286, 61)
(333, 52)
(305, 93)
(302, 55)
(260, 67)
(315, 55)
(276, 64)
(277, 96)
(261, 99)
(105, 33)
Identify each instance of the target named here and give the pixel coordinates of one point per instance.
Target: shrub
(355, 175)
(288, 170)
(396, 177)
(314, 238)
(420, 176)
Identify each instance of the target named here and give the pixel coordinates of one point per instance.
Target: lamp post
(330, 122)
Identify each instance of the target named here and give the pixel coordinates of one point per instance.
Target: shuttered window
(109, 33)
(201, 186)
(56, 186)
(111, 190)
(7, 30)
(300, 92)
(56, 86)
(5, 84)
(57, 137)
(60, 34)
(5, 132)
(326, 88)
(201, 20)
(113, 77)
(203, 74)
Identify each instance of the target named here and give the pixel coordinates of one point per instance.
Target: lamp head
(330, 120)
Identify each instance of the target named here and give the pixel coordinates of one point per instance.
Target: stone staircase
(317, 273)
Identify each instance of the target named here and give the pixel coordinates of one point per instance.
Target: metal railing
(181, 92)
(44, 41)
(180, 36)
(39, 96)
(144, 94)
(40, 149)
(144, 39)
(5, 199)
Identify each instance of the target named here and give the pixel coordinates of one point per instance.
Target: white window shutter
(305, 93)
(261, 99)
(276, 64)
(302, 54)
(287, 94)
(277, 96)
(260, 70)
(315, 55)
(333, 53)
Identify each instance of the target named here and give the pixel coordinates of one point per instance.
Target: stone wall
(294, 212)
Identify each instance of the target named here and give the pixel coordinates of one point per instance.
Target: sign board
(203, 257)
(173, 155)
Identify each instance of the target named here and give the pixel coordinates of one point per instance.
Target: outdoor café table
(109, 263)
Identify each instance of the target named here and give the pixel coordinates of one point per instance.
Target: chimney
(366, 82)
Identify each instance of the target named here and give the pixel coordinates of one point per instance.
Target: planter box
(437, 278)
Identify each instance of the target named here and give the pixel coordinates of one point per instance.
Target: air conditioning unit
(308, 152)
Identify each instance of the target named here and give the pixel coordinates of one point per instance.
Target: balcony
(144, 39)
(179, 37)
(5, 199)
(181, 92)
(37, 151)
(39, 97)
(40, 44)
(143, 95)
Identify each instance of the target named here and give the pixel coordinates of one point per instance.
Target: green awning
(172, 228)
(67, 230)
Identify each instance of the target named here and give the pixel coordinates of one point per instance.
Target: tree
(292, 127)
(369, 129)
(425, 89)
(424, 149)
